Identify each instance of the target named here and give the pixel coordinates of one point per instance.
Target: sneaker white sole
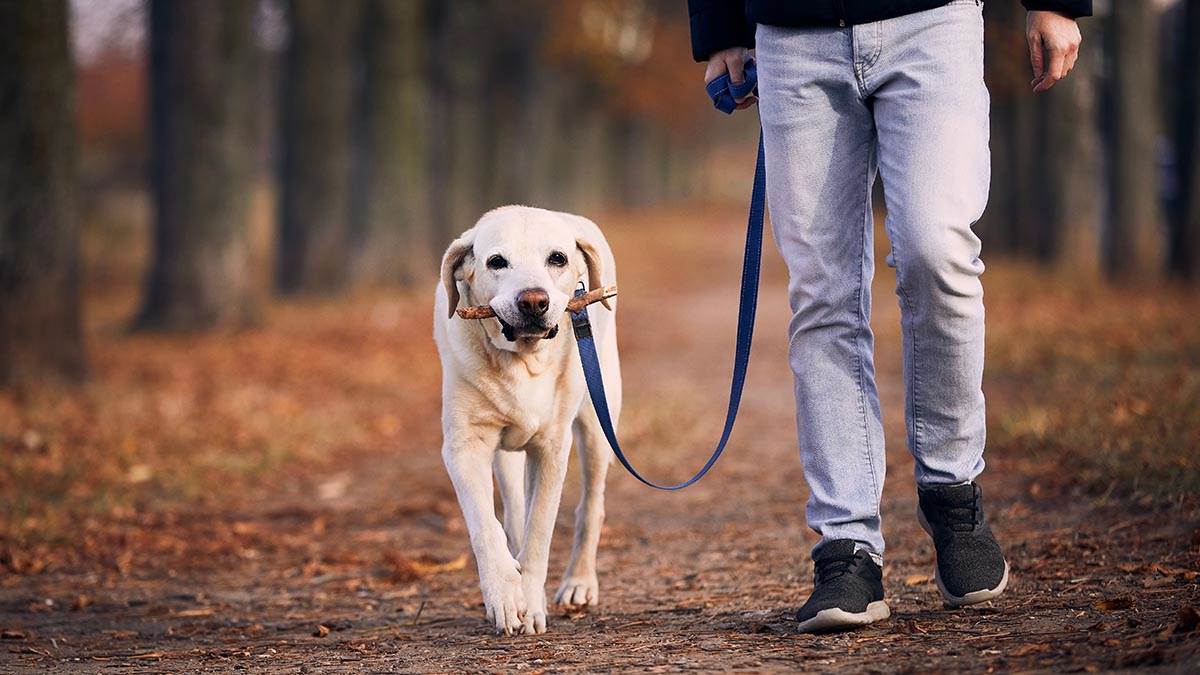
(972, 598)
(836, 619)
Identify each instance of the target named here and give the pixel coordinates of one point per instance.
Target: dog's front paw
(535, 603)
(578, 591)
(503, 597)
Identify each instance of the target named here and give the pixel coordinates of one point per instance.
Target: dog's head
(524, 263)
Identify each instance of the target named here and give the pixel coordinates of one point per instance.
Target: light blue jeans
(903, 98)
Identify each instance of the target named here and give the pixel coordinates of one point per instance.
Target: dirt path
(362, 568)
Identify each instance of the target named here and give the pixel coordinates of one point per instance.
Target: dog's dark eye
(497, 262)
(557, 259)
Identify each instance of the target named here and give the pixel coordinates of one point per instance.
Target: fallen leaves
(27, 561)
(139, 473)
(1116, 604)
(1171, 571)
(1187, 619)
(404, 569)
(268, 422)
(1029, 649)
(196, 612)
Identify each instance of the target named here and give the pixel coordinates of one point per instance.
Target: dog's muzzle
(510, 333)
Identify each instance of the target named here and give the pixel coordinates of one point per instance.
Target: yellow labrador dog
(513, 397)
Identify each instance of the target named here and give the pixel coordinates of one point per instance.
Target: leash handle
(747, 306)
(724, 92)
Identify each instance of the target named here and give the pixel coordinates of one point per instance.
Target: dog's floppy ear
(452, 262)
(591, 258)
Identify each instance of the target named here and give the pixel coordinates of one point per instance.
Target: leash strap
(723, 95)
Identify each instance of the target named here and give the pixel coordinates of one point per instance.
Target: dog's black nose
(533, 302)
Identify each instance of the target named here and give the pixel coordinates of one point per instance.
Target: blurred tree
(1185, 236)
(318, 81)
(461, 32)
(40, 331)
(1132, 243)
(1067, 166)
(390, 225)
(1010, 223)
(203, 66)
(520, 100)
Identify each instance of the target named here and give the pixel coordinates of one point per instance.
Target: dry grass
(1103, 382)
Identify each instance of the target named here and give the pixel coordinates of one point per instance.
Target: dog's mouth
(527, 332)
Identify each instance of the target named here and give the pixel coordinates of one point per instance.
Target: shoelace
(959, 516)
(832, 567)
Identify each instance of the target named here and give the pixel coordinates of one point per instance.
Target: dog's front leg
(545, 472)
(469, 463)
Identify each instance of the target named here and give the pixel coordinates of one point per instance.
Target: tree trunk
(517, 101)
(458, 163)
(1068, 230)
(1185, 239)
(202, 67)
(587, 157)
(319, 74)
(1132, 246)
(996, 225)
(40, 329)
(391, 232)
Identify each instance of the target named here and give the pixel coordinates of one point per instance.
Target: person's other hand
(732, 61)
(1053, 47)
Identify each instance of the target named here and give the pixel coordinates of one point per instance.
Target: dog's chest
(533, 407)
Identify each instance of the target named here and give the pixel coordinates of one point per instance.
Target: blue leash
(723, 94)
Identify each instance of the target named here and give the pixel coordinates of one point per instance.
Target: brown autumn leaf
(1129, 567)
(1030, 648)
(917, 579)
(405, 569)
(1114, 604)
(1171, 571)
(1187, 619)
(321, 631)
(12, 634)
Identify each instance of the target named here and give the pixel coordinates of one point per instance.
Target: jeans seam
(906, 311)
(913, 378)
(878, 52)
(860, 77)
(862, 323)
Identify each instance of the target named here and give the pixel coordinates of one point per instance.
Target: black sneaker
(847, 590)
(970, 565)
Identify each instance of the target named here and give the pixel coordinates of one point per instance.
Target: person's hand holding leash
(732, 61)
(1053, 47)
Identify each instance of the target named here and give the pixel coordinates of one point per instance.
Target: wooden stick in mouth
(577, 303)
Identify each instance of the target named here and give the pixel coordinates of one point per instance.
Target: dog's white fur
(512, 407)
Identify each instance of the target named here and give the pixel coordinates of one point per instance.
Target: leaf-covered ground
(273, 499)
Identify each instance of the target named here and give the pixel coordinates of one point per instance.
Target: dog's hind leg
(510, 476)
(546, 467)
(468, 463)
(580, 585)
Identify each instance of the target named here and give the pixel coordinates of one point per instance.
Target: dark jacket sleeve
(1072, 8)
(717, 25)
